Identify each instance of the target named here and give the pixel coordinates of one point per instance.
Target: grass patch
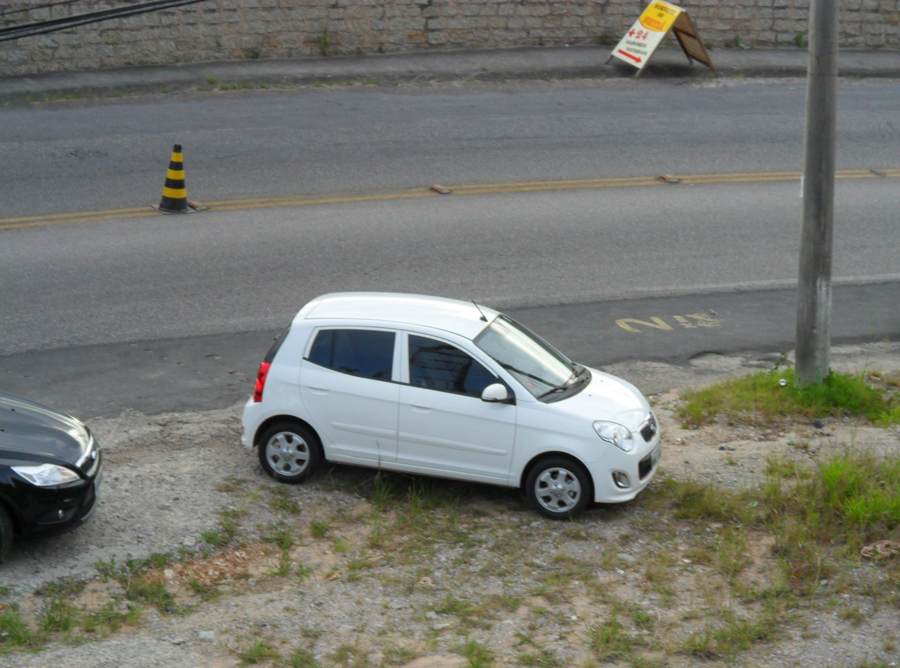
(477, 655)
(471, 615)
(281, 498)
(398, 656)
(849, 501)
(696, 501)
(58, 615)
(819, 516)
(227, 531)
(14, 632)
(411, 516)
(110, 618)
(351, 656)
(735, 635)
(542, 658)
(319, 528)
(259, 652)
(610, 641)
(759, 399)
(205, 590)
(142, 580)
(67, 586)
(303, 658)
(282, 538)
(731, 553)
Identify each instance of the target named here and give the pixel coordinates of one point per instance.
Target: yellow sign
(638, 45)
(659, 16)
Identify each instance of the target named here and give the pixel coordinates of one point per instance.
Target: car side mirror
(497, 394)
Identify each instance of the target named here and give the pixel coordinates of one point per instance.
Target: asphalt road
(224, 272)
(207, 372)
(103, 154)
(173, 312)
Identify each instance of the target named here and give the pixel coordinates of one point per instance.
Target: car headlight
(616, 434)
(46, 475)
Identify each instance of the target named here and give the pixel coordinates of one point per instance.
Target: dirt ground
(355, 569)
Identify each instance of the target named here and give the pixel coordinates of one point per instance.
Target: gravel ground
(357, 586)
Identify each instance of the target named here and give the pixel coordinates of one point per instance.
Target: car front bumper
(44, 510)
(635, 469)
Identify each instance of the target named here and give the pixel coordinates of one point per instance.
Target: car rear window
(360, 352)
(275, 346)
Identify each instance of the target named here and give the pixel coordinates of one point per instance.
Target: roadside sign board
(638, 45)
(690, 41)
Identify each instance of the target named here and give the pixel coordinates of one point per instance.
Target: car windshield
(536, 365)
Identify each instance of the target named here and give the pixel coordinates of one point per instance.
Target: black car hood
(31, 432)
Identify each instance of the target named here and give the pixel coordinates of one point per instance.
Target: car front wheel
(6, 534)
(289, 452)
(558, 488)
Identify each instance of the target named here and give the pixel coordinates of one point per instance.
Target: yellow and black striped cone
(174, 194)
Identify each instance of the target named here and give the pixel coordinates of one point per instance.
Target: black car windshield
(537, 366)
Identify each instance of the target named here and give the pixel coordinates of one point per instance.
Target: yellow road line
(474, 189)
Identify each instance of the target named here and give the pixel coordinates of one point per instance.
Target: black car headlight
(46, 475)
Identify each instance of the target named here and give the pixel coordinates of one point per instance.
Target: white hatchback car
(447, 388)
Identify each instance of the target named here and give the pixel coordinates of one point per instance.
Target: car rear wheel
(558, 488)
(6, 534)
(289, 452)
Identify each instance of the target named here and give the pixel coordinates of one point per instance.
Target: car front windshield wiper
(510, 367)
(553, 390)
(570, 381)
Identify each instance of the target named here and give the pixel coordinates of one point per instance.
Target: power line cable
(28, 9)
(54, 25)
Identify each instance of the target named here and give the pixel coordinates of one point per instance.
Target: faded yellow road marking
(687, 321)
(418, 193)
(632, 324)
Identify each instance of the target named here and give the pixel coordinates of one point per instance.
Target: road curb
(392, 69)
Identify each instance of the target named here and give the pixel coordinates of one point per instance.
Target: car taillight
(261, 381)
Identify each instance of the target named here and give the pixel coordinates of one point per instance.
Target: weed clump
(760, 398)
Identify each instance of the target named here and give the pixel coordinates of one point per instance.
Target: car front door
(444, 426)
(348, 386)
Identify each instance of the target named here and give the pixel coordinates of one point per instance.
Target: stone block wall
(237, 29)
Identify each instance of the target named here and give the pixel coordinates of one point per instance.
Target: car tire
(289, 452)
(559, 488)
(6, 534)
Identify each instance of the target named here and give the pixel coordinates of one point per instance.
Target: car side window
(360, 352)
(440, 366)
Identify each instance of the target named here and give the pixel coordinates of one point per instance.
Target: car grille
(645, 466)
(648, 429)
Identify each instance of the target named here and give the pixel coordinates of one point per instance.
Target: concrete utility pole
(814, 290)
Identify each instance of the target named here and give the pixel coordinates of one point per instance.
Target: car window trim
(404, 360)
(397, 354)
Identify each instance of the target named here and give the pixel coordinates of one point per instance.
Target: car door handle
(420, 407)
(318, 390)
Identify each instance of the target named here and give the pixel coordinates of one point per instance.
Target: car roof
(450, 315)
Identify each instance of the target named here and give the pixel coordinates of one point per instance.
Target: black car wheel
(558, 488)
(289, 452)
(6, 534)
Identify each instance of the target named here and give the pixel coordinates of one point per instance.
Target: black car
(49, 470)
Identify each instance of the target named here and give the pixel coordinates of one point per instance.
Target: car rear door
(348, 385)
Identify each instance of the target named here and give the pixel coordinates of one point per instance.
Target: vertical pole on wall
(817, 190)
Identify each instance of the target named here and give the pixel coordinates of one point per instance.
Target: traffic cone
(174, 194)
